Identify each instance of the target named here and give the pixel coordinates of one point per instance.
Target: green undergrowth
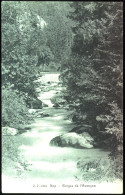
(14, 109)
(100, 170)
(12, 161)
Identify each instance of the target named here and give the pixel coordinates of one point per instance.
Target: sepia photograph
(62, 97)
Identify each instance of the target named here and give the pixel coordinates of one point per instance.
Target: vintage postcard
(62, 99)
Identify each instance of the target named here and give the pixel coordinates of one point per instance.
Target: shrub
(14, 110)
(13, 163)
(100, 170)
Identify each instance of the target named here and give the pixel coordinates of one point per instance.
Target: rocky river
(48, 165)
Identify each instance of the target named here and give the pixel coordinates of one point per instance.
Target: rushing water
(51, 163)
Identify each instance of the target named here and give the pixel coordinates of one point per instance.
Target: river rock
(45, 115)
(44, 105)
(83, 140)
(56, 105)
(38, 90)
(9, 131)
(45, 89)
(58, 99)
(23, 128)
(41, 115)
(53, 84)
(34, 103)
(32, 111)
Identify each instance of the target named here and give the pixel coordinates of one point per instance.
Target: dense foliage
(32, 39)
(84, 41)
(12, 161)
(58, 29)
(93, 74)
(18, 60)
(14, 109)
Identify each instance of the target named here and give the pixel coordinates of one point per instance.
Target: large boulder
(58, 99)
(83, 140)
(9, 131)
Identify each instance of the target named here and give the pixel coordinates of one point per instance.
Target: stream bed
(49, 165)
